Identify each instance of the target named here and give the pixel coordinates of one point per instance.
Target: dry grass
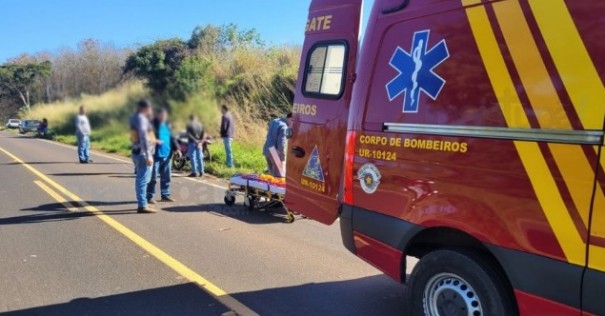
(59, 113)
(256, 84)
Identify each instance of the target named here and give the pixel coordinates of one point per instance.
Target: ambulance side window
(325, 70)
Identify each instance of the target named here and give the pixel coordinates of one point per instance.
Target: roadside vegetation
(217, 65)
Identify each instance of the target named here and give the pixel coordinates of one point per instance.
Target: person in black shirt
(195, 136)
(227, 133)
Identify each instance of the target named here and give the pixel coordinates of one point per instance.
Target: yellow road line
(56, 196)
(535, 165)
(159, 254)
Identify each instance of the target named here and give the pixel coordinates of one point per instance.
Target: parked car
(13, 123)
(28, 126)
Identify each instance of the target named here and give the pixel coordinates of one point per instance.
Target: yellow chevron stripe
(572, 60)
(584, 87)
(597, 258)
(470, 2)
(575, 167)
(540, 176)
(530, 66)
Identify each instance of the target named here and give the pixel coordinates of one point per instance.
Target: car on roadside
(28, 126)
(13, 123)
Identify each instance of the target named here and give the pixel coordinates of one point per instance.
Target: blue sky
(30, 26)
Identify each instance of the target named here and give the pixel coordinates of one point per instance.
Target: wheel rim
(447, 294)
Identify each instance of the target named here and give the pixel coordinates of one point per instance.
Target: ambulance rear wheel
(450, 282)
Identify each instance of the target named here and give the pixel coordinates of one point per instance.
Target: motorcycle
(178, 163)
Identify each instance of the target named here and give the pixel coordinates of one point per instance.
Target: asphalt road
(194, 257)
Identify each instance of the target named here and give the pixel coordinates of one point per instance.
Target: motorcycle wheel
(179, 163)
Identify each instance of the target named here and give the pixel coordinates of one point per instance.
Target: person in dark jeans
(227, 133)
(166, 147)
(195, 137)
(143, 150)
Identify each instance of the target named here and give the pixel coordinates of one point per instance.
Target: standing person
(195, 136)
(43, 128)
(227, 133)
(143, 149)
(276, 138)
(166, 147)
(83, 136)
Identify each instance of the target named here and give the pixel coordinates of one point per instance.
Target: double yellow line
(57, 192)
(580, 79)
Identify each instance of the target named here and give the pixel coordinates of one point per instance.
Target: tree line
(224, 62)
(90, 68)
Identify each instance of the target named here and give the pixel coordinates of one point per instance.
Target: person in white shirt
(83, 136)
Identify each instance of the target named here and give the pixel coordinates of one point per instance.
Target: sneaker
(167, 198)
(193, 175)
(201, 175)
(90, 161)
(83, 161)
(152, 201)
(146, 210)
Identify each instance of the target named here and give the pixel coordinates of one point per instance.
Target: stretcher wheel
(290, 218)
(251, 202)
(229, 200)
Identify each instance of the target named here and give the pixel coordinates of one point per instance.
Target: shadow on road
(237, 212)
(374, 295)
(82, 174)
(185, 299)
(123, 176)
(60, 207)
(55, 217)
(59, 163)
(51, 207)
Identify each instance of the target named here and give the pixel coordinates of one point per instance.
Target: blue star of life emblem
(416, 71)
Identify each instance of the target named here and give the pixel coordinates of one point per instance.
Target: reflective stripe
(539, 174)
(521, 134)
(572, 60)
(575, 168)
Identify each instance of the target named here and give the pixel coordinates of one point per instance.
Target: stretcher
(260, 192)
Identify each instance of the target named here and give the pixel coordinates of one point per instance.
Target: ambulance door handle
(298, 152)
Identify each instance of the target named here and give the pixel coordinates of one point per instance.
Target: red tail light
(349, 162)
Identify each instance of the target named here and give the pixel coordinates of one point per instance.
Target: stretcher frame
(257, 199)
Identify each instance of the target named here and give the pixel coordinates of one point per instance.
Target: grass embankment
(109, 112)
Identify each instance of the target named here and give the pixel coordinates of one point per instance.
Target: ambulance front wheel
(447, 280)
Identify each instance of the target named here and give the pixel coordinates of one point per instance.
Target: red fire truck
(468, 134)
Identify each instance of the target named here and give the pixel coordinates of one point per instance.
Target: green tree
(212, 39)
(19, 79)
(191, 77)
(206, 39)
(157, 63)
(231, 36)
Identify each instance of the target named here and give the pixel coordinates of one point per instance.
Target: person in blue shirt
(166, 147)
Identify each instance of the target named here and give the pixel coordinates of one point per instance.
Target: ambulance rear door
(321, 105)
